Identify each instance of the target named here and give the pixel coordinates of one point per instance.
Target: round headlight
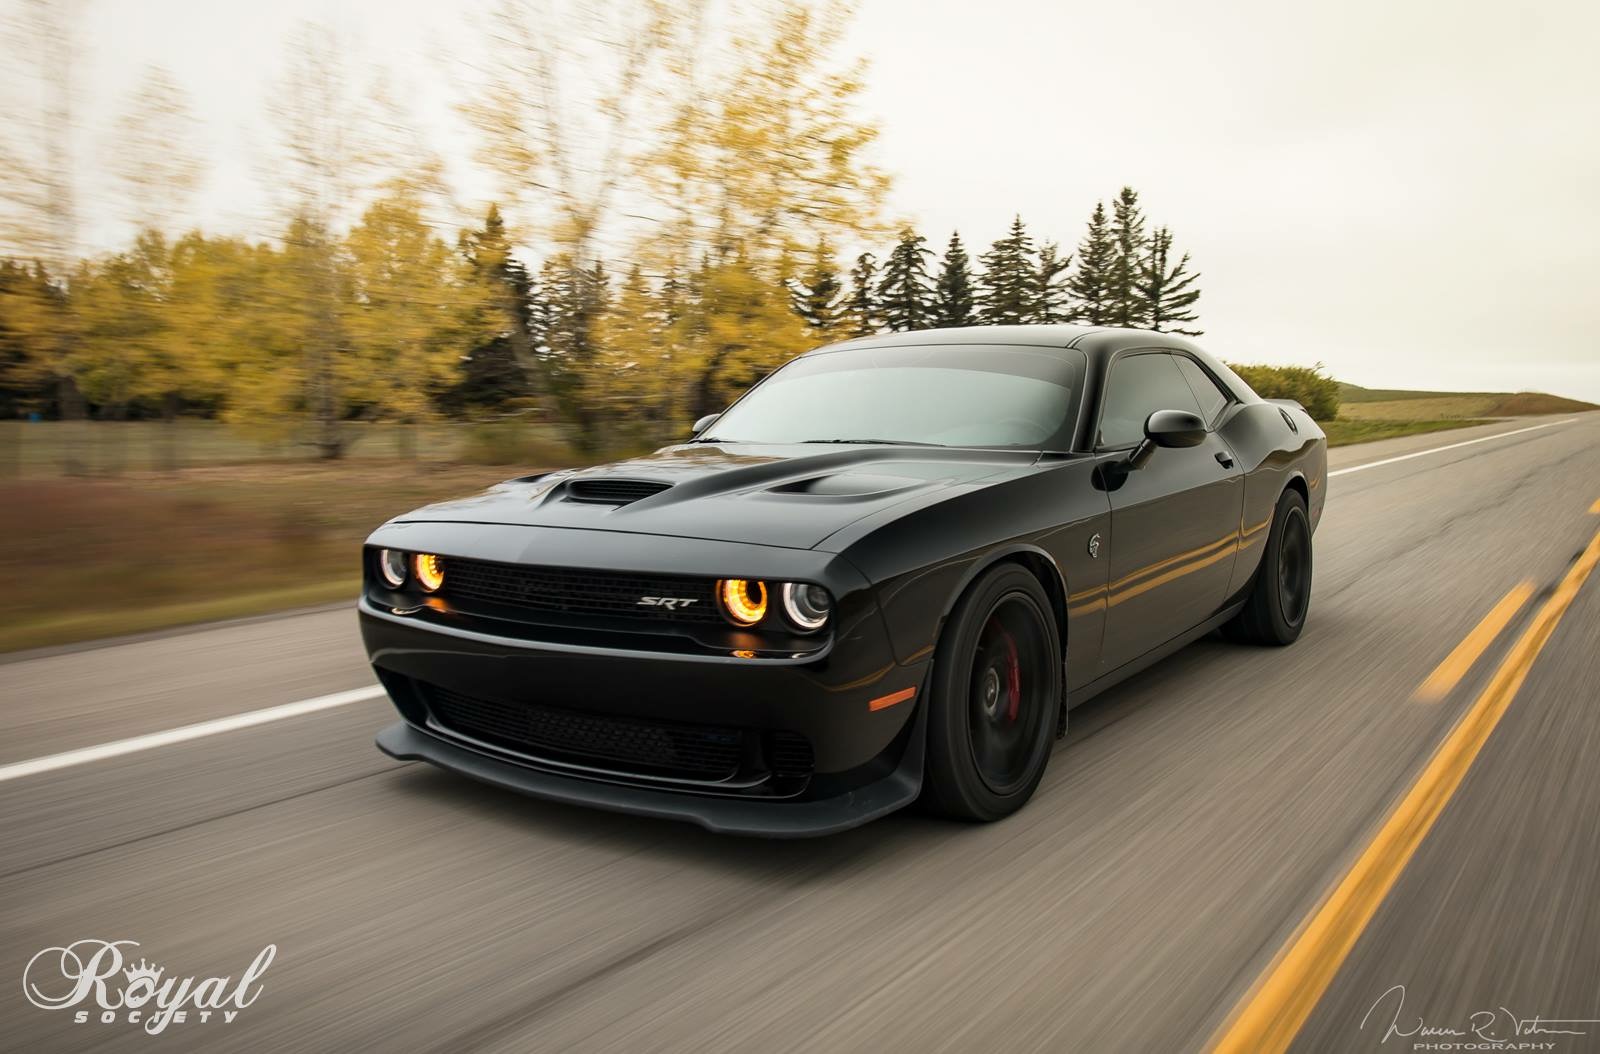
(392, 565)
(806, 606)
(744, 601)
(430, 572)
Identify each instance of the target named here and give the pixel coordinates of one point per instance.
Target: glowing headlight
(430, 572)
(392, 566)
(806, 606)
(743, 601)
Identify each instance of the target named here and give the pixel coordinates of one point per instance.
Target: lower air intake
(696, 752)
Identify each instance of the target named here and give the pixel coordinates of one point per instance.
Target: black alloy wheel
(996, 695)
(1275, 611)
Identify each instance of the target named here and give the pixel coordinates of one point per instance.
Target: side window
(1140, 385)
(1212, 398)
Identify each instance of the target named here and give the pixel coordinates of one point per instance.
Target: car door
(1174, 521)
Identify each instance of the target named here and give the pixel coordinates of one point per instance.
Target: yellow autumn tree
(217, 316)
(122, 351)
(633, 358)
(38, 207)
(764, 162)
(571, 94)
(416, 309)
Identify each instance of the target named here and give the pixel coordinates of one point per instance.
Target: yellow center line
(1595, 508)
(1455, 665)
(1271, 1013)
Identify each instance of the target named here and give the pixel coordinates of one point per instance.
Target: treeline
(1121, 275)
(668, 222)
(426, 329)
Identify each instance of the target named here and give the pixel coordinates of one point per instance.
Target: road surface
(1189, 826)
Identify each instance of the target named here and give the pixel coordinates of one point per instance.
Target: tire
(996, 698)
(1280, 599)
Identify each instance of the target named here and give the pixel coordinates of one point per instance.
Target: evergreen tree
(1009, 279)
(1090, 284)
(574, 300)
(818, 298)
(905, 294)
(1168, 288)
(1129, 241)
(493, 374)
(954, 304)
(861, 310)
(1052, 302)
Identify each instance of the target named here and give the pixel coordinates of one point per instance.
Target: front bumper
(861, 761)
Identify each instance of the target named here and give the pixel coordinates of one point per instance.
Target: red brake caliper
(1013, 678)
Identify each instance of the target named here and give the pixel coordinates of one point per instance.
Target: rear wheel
(996, 693)
(1275, 612)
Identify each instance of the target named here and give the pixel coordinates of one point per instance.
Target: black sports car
(886, 572)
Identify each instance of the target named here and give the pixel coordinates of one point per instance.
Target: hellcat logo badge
(1094, 547)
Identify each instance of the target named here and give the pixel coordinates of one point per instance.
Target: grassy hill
(1379, 413)
(1399, 403)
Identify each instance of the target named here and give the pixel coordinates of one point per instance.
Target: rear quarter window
(1207, 392)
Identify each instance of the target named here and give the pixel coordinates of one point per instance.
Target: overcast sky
(1401, 190)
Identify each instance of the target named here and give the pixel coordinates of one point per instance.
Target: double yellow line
(1267, 1019)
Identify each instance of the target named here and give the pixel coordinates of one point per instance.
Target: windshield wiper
(714, 439)
(873, 442)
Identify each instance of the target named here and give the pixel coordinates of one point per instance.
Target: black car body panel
(549, 664)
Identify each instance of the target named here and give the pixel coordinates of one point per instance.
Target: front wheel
(1275, 612)
(996, 694)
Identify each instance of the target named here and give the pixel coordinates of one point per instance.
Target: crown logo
(143, 972)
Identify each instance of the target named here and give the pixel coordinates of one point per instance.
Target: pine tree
(818, 298)
(954, 305)
(861, 310)
(493, 372)
(1167, 288)
(1051, 300)
(905, 294)
(1129, 241)
(574, 299)
(1009, 278)
(1090, 284)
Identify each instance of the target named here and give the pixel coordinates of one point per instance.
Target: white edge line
(117, 748)
(1452, 446)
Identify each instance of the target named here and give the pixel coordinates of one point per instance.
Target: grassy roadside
(1345, 431)
(1367, 414)
(95, 625)
(96, 558)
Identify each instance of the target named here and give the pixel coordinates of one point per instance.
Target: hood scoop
(607, 490)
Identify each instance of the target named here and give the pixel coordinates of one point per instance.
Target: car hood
(791, 496)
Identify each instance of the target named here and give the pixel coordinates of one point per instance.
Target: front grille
(561, 590)
(605, 491)
(700, 752)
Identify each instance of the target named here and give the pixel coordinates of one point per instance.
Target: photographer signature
(1491, 1026)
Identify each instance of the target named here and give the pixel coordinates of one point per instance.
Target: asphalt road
(1188, 824)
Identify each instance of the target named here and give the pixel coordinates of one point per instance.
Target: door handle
(1224, 460)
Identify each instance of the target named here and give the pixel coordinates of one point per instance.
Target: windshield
(940, 395)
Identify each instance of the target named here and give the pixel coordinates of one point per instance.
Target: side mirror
(1168, 428)
(1175, 428)
(704, 423)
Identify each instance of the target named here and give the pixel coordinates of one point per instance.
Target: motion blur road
(1188, 825)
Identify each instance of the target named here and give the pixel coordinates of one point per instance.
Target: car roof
(1097, 342)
